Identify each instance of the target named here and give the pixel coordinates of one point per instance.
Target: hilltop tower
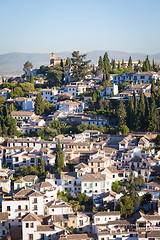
(52, 58)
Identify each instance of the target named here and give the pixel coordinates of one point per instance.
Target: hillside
(12, 63)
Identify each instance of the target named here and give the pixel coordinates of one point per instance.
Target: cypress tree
(141, 112)
(123, 64)
(31, 79)
(106, 63)
(5, 111)
(113, 64)
(61, 64)
(100, 64)
(42, 167)
(158, 95)
(153, 121)
(68, 61)
(12, 129)
(130, 63)
(121, 114)
(39, 105)
(59, 162)
(147, 114)
(119, 65)
(131, 113)
(153, 88)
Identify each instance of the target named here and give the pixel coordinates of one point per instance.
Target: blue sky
(41, 26)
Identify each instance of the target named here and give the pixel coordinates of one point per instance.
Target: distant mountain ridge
(12, 63)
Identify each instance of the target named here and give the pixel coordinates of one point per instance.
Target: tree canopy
(80, 66)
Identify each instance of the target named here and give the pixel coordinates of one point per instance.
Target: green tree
(80, 66)
(59, 162)
(153, 121)
(27, 87)
(119, 65)
(130, 63)
(117, 186)
(146, 65)
(27, 66)
(17, 92)
(61, 64)
(39, 105)
(31, 79)
(121, 114)
(68, 61)
(82, 127)
(55, 76)
(100, 64)
(124, 129)
(146, 198)
(141, 112)
(106, 63)
(126, 206)
(113, 64)
(42, 167)
(12, 129)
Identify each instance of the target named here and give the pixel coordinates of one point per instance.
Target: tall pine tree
(59, 162)
(106, 63)
(121, 114)
(39, 105)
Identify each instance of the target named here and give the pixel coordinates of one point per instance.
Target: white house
(4, 226)
(22, 115)
(94, 184)
(48, 94)
(145, 77)
(21, 202)
(58, 207)
(27, 104)
(70, 106)
(34, 227)
(28, 180)
(5, 93)
(109, 90)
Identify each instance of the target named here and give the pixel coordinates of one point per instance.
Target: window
(3, 224)
(35, 207)
(3, 232)
(113, 176)
(107, 183)
(52, 210)
(19, 207)
(95, 184)
(31, 225)
(26, 207)
(90, 185)
(42, 236)
(27, 225)
(85, 184)
(69, 182)
(8, 208)
(30, 236)
(19, 214)
(35, 200)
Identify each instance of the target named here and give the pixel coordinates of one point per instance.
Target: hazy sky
(41, 26)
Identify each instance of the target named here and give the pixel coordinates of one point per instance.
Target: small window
(27, 225)
(31, 225)
(8, 208)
